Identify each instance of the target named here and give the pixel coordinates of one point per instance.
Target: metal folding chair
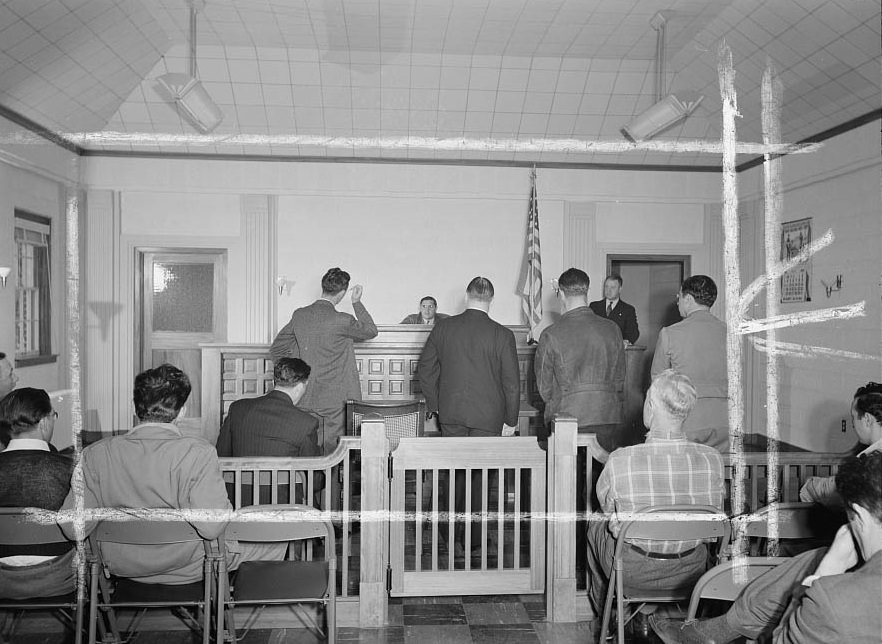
(795, 521)
(688, 524)
(723, 584)
(110, 592)
(17, 528)
(262, 583)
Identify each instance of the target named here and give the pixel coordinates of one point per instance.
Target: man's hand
(508, 430)
(841, 556)
(357, 290)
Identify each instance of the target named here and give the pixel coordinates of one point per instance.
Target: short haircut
(701, 288)
(287, 372)
(21, 409)
(574, 281)
(481, 289)
(674, 392)
(160, 393)
(431, 299)
(335, 281)
(615, 277)
(859, 481)
(868, 400)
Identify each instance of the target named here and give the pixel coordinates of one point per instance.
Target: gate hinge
(389, 468)
(388, 578)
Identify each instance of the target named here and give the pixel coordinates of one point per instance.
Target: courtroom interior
(179, 178)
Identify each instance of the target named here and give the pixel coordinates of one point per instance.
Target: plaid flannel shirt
(663, 471)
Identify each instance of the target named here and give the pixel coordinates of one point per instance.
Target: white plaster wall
(33, 177)
(409, 230)
(839, 188)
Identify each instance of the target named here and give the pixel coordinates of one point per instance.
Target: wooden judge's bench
(387, 366)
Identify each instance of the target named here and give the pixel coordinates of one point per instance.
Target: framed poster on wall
(796, 283)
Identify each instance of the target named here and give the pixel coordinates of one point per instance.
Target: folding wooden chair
(263, 583)
(18, 528)
(118, 592)
(715, 527)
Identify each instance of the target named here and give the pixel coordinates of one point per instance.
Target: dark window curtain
(43, 278)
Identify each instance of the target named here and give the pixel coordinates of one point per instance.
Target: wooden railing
(360, 465)
(308, 481)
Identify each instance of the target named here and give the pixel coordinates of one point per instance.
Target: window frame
(40, 225)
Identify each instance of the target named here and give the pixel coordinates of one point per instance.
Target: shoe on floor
(677, 631)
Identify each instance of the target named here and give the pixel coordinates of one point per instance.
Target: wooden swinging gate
(436, 485)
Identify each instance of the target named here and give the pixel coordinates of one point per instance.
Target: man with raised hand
(323, 337)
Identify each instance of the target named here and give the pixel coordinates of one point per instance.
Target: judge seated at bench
(428, 313)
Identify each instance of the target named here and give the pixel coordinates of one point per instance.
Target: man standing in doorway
(323, 337)
(612, 307)
(696, 347)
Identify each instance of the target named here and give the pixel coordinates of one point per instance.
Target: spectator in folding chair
(820, 596)
(866, 419)
(668, 469)
(157, 466)
(31, 475)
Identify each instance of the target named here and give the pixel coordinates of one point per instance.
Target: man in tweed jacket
(322, 336)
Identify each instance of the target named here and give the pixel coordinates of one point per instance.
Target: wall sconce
(4, 273)
(829, 288)
(284, 285)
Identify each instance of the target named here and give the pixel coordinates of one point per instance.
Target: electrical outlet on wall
(844, 425)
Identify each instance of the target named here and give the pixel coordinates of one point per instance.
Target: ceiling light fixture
(190, 96)
(667, 110)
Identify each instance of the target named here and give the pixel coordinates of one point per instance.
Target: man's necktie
(608, 308)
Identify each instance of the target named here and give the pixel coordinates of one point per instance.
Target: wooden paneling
(387, 366)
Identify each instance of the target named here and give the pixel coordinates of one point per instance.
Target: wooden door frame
(649, 258)
(219, 297)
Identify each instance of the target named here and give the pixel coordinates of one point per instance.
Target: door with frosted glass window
(182, 298)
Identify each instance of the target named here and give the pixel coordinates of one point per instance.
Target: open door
(650, 285)
(182, 302)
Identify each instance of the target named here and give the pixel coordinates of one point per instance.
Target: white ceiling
(525, 70)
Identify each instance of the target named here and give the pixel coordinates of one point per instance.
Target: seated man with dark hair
(866, 419)
(820, 596)
(272, 425)
(154, 466)
(31, 475)
(428, 313)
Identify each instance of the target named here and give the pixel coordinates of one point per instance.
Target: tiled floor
(504, 619)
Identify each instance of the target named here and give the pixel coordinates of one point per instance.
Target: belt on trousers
(660, 555)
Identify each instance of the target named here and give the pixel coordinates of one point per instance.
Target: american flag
(531, 277)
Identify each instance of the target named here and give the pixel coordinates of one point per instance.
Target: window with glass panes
(32, 286)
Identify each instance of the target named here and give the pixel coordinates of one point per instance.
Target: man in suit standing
(469, 370)
(323, 337)
(428, 313)
(613, 308)
(470, 376)
(696, 347)
(32, 475)
(272, 425)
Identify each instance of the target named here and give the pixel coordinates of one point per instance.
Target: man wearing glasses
(696, 347)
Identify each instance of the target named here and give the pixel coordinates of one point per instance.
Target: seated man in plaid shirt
(668, 469)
